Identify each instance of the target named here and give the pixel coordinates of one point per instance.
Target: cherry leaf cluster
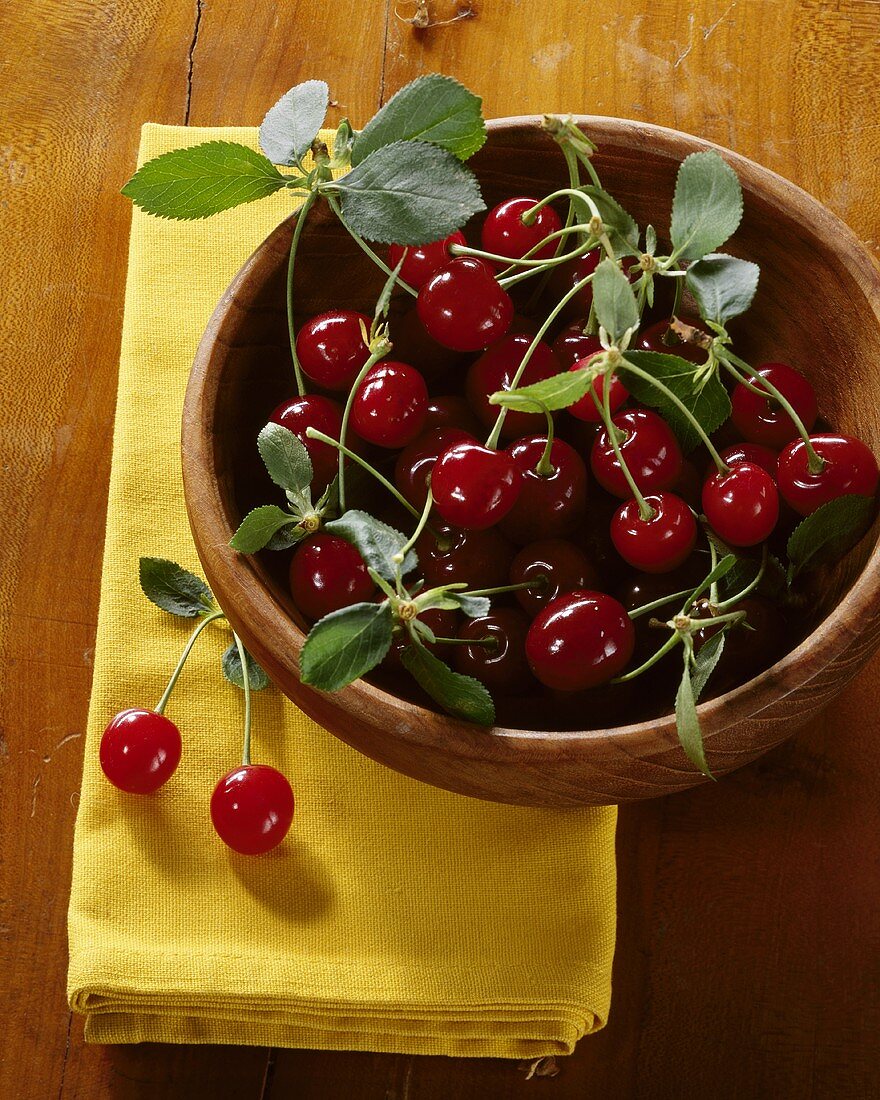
(621, 227)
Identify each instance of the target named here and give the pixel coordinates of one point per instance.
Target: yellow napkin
(394, 917)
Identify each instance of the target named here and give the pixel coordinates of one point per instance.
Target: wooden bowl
(818, 307)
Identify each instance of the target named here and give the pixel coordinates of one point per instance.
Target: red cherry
(450, 411)
(313, 411)
(572, 345)
(850, 467)
(750, 452)
(548, 505)
(252, 808)
(390, 405)
(561, 564)
(660, 337)
(585, 409)
(331, 348)
(506, 234)
(414, 464)
(503, 667)
(650, 451)
(761, 419)
(742, 506)
(327, 573)
(659, 544)
(140, 750)
(580, 641)
(494, 371)
(423, 260)
(475, 487)
(479, 558)
(463, 307)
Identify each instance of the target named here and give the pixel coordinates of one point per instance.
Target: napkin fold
(395, 916)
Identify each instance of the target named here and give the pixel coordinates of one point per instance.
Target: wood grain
(749, 931)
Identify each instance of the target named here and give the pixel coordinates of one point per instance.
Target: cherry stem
(294, 244)
(673, 640)
(713, 562)
(750, 587)
(246, 684)
(346, 413)
(540, 580)
(572, 193)
(362, 244)
(488, 641)
(534, 265)
(495, 434)
(766, 389)
(559, 255)
(646, 512)
(648, 607)
(166, 694)
(314, 433)
(545, 467)
(661, 387)
(420, 526)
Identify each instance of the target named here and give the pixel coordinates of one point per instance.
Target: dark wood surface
(748, 961)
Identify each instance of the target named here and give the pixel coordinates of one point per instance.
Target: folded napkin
(394, 917)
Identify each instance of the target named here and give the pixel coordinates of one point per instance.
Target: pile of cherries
(520, 513)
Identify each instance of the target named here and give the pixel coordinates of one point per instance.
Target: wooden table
(748, 961)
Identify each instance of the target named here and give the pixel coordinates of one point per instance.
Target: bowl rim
(829, 638)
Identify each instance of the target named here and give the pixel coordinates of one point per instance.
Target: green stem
(495, 434)
(488, 641)
(545, 467)
(313, 433)
(362, 244)
(671, 641)
(540, 580)
(748, 588)
(661, 387)
(766, 388)
(346, 413)
(655, 604)
(557, 235)
(166, 694)
(246, 683)
(294, 244)
(713, 561)
(420, 526)
(574, 182)
(646, 512)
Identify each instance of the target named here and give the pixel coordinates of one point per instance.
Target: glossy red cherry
(481, 559)
(560, 565)
(750, 452)
(140, 750)
(502, 667)
(390, 405)
(331, 348)
(658, 544)
(850, 467)
(762, 419)
(463, 307)
(660, 337)
(314, 411)
(414, 464)
(573, 344)
(494, 371)
(450, 411)
(421, 261)
(475, 487)
(585, 409)
(327, 573)
(506, 234)
(580, 641)
(548, 505)
(742, 506)
(650, 451)
(252, 808)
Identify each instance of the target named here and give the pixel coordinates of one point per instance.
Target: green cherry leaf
(622, 229)
(408, 193)
(259, 528)
(434, 109)
(292, 124)
(723, 286)
(707, 400)
(345, 645)
(557, 392)
(707, 207)
(474, 606)
(706, 661)
(285, 458)
(461, 696)
(174, 589)
(231, 665)
(203, 180)
(650, 240)
(614, 301)
(687, 722)
(343, 140)
(375, 540)
(829, 532)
